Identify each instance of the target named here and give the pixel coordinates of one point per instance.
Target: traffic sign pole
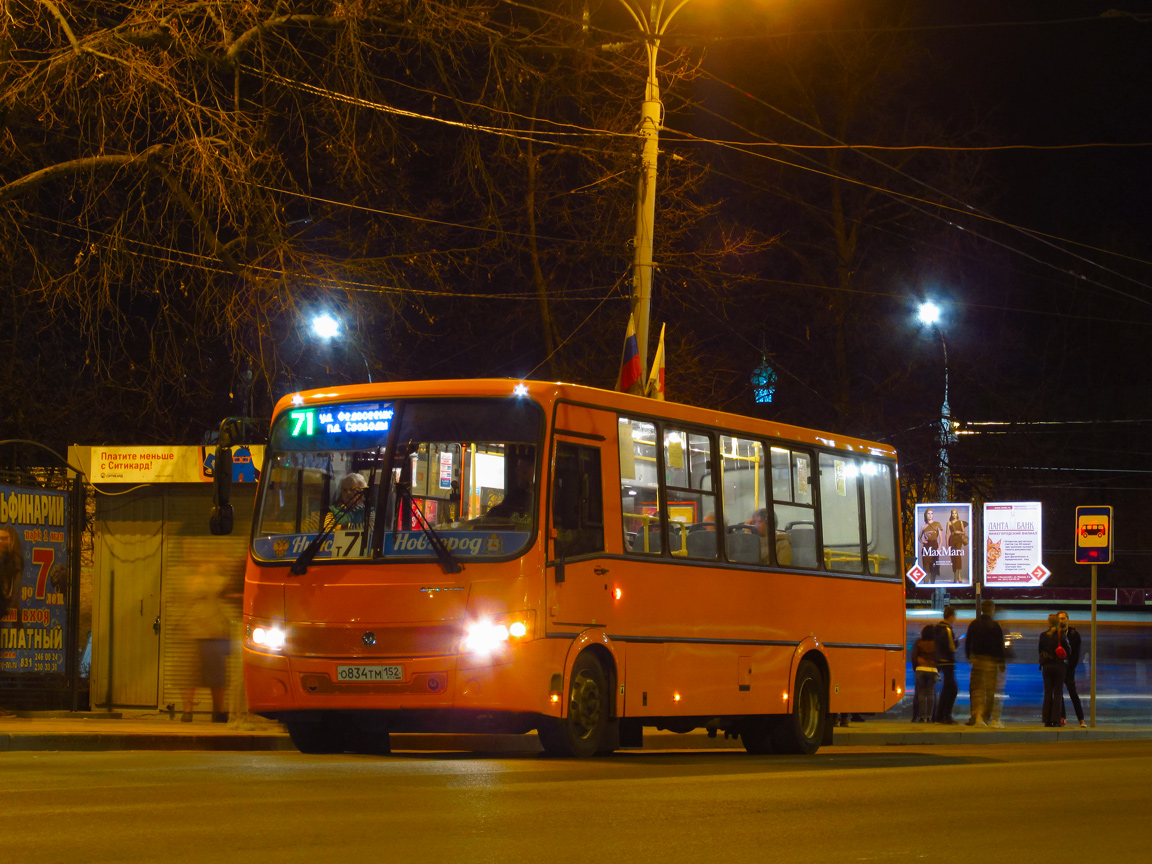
(1093, 545)
(1092, 684)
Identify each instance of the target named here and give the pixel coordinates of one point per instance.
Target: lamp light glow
(929, 313)
(325, 326)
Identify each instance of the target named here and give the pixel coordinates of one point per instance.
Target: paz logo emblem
(368, 638)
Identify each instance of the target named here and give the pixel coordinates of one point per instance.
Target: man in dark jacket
(984, 648)
(1073, 637)
(946, 664)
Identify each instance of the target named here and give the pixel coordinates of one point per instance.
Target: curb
(93, 741)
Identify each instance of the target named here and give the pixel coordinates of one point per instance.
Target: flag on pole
(656, 376)
(630, 370)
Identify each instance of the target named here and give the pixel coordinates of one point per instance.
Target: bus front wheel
(802, 730)
(585, 731)
(315, 736)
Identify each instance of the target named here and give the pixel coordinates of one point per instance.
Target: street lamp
(653, 25)
(929, 314)
(326, 328)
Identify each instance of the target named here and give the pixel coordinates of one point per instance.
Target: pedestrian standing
(984, 648)
(924, 668)
(1072, 635)
(1053, 666)
(946, 663)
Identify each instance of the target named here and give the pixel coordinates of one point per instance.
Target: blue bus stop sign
(1094, 535)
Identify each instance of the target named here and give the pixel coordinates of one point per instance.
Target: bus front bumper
(516, 680)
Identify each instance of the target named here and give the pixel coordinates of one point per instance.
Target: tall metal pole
(646, 205)
(1092, 686)
(653, 25)
(945, 431)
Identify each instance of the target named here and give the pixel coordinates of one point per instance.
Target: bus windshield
(366, 472)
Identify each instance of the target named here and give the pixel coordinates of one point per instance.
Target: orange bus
(503, 556)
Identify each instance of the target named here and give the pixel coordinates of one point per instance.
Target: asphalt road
(1083, 802)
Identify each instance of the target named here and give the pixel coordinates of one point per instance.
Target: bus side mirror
(220, 520)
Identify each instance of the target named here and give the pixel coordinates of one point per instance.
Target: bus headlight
(265, 635)
(487, 636)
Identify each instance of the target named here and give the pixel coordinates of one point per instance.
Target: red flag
(656, 376)
(630, 371)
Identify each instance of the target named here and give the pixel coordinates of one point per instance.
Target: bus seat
(743, 545)
(652, 532)
(702, 541)
(803, 536)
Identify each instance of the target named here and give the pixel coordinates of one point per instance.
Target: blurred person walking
(984, 648)
(1072, 635)
(946, 662)
(205, 619)
(924, 667)
(1054, 667)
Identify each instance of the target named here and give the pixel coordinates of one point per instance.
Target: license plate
(369, 673)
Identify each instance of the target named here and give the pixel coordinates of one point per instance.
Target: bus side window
(688, 472)
(577, 501)
(639, 488)
(742, 471)
(793, 511)
(840, 513)
(879, 518)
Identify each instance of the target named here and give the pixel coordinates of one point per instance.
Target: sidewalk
(126, 730)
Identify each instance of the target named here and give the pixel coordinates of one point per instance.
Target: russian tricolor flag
(630, 369)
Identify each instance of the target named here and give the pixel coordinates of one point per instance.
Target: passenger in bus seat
(759, 521)
(350, 503)
(517, 503)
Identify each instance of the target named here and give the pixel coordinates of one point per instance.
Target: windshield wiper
(331, 520)
(448, 562)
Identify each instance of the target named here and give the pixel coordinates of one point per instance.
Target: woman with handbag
(1053, 653)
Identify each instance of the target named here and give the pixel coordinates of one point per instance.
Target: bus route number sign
(1094, 535)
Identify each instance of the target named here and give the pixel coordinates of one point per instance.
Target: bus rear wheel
(802, 730)
(585, 731)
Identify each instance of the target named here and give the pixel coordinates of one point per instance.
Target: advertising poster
(33, 580)
(1012, 545)
(943, 545)
(166, 464)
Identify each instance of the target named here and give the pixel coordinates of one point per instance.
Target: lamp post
(653, 25)
(325, 327)
(929, 314)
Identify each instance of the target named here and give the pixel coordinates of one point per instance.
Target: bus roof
(548, 392)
